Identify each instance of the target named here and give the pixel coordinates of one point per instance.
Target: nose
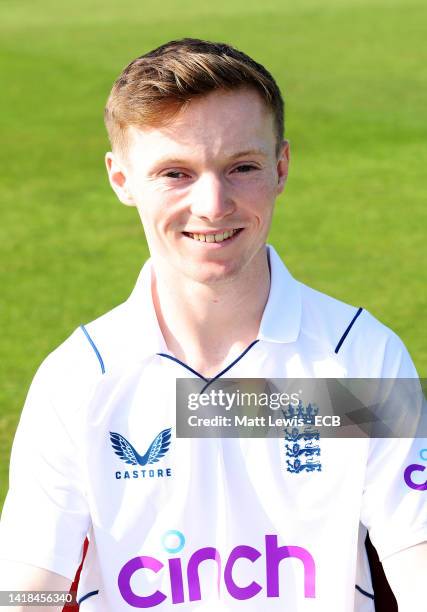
(211, 199)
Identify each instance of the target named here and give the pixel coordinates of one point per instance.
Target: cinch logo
(127, 453)
(274, 554)
(415, 467)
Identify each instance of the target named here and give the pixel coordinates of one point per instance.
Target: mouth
(214, 237)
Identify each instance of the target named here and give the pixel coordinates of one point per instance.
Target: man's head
(155, 86)
(203, 169)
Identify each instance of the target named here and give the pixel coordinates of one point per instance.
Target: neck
(207, 326)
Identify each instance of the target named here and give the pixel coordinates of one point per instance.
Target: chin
(212, 274)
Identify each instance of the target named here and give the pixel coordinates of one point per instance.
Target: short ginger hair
(155, 86)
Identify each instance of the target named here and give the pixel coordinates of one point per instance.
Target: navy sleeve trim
(345, 334)
(93, 345)
(87, 596)
(365, 593)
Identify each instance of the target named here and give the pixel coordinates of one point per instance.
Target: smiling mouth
(218, 237)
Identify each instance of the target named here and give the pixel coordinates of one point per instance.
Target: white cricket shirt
(206, 524)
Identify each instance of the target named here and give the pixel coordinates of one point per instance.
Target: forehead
(208, 127)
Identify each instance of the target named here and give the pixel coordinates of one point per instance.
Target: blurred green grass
(352, 220)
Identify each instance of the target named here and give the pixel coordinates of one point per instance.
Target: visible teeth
(221, 237)
(213, 237)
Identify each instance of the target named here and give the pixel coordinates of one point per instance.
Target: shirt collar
(281, 319)
(142, 315)
(280, 322)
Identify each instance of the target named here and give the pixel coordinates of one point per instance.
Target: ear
(283, 166)
(118, 177)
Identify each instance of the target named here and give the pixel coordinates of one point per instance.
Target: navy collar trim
(208, 381)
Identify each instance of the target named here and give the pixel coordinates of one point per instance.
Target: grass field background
(351, 223)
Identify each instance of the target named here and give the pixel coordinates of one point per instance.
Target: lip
(214, 231)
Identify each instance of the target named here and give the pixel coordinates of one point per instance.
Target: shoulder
(82, 350)
(111, 337)
(358, 340)
(70, 373)
(113, 341)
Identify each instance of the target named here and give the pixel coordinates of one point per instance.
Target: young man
(209, 524)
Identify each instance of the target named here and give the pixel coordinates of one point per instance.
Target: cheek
(260, 197)
(261, 187)
(158, 218)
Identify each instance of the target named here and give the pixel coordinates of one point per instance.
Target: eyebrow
(179, 161)
(261, 152)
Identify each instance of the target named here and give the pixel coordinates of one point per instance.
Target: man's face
(205, 185)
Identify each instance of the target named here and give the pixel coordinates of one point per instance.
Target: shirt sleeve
(395, 513)
(45, 517)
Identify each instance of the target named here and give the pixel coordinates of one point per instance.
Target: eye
(243, 168)
(175, 174)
